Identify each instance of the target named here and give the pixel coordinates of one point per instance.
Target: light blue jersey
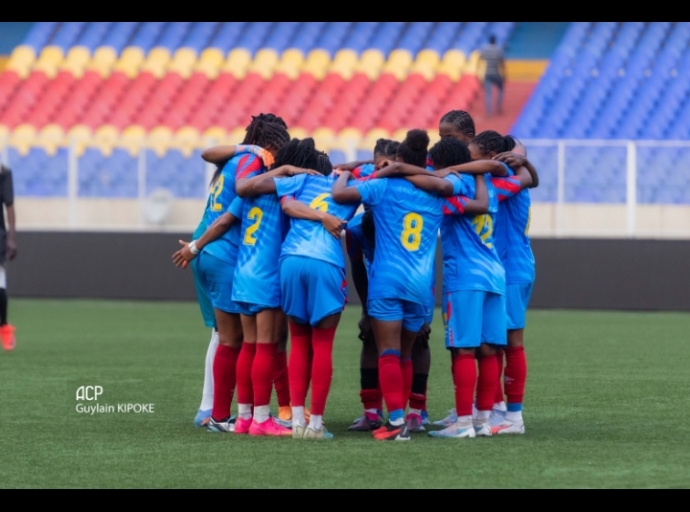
(470, 259)
(308, 237)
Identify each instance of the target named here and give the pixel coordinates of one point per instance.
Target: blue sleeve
(508, 169)
(235, 207)
(460, 185)
(289, 186)
(372, 191)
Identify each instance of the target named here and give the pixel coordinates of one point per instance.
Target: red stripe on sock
(499, 389)
(391, 379)
(224, 380)
(487, 380)
(371, 398)
(262, 373)
(245, 390)
(515, 374)
(300, 363)
(281, 379)
(321, 368)
(465, 380)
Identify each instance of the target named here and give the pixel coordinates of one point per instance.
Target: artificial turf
(606, 406)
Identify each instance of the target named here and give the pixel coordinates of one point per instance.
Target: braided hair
(386, 147)
(490, 141)
(413, 149)
(323, 163)
(461, 120)
(449, 151)
(300, 153)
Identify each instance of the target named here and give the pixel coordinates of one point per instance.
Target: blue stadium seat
(228, 35)
(148, 34)
(307, 35)
(120, 35)
(337, 156)
(281, 35)
(441, 36)
(386, 36)
(199, 35)
(95, 34)
(40, 34)
(68, 34)
(255, 35)
(173, 35)
(334, 36)
(361, 35)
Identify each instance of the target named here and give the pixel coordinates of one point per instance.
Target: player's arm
(188, 252)
(515, 161)
(298, 210)
(493, 167)
(341, 193)
(221, 154)
(480, 203)
(351, 166)
(264, 184)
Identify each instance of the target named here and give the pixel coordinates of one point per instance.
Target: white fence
(587, 187)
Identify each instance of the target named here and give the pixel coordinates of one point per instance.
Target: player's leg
(462, 318)
(386, 320)
(6, 330)
(487, 93)
(281, 381)
(414, 321)
(493, 318)
(245, 363)
(499, 100)
(268, 331)
(224, 370)
(517, 300)
(208, 314)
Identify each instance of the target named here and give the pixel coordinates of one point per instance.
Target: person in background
(495, 74)
(8, 251)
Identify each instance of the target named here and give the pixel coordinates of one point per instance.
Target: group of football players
(268, 260)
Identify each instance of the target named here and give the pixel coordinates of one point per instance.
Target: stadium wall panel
(571, 273)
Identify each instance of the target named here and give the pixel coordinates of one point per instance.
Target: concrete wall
(571, 273)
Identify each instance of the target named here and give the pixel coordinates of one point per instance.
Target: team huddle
(268, 260)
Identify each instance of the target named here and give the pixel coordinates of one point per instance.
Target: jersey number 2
(411, 237)
(484, 227)
(217, 189)
(256, 215)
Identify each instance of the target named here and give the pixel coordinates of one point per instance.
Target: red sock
(224, 380)
(465, 380)
(281, 380)
(487, 380)
(406, 369)
(300, 363)
(390, 376)
(321, 368)
(516, 374)
(371, 398)
(262, 373)
(499, 390)
(245, 390)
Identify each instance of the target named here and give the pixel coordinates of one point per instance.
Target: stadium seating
(185, 79)
(615, 81)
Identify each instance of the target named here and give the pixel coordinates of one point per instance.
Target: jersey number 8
(411, 237)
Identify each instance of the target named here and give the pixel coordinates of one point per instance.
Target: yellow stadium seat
(237, 63)
(50, 59)
(102, 61)
(297, 132)
(371, 63)
(344, 63)
(159, 139)
(472, 65)
(426, 63)
(4, 132)
(316, 63)
(183, 62)
(323, 138)
(236, 136)
(129, 62)
(214, 135)
(157, 61)
(350, 133)
(50, 138)
(133, 139)
(452, 64)
(79, 131)
(369, 140)
(290, 63)
(187, 139)
(398, 64)
(21, 60)
(22, 138)
(76, 61)
(209, 62)
(434, 137)
(264, 63)
(399, 134)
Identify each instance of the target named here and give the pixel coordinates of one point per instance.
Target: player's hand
(11, 249)
(384, 163)
(350, 166)
(333, 224)
(512, 160)
(182, 257)
(262, 153)
(365, 330)
(442, 173)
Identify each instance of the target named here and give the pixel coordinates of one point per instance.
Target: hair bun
(417, 140)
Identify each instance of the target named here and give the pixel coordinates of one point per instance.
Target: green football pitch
(606, 406)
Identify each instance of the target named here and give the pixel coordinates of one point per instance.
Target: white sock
(244, 411)
(207, 395)
(465, 421)
(298, 416)
(500, 406)
(514, 417)
(397, 423)
(261, 413)
(482, 417)
(316, 422)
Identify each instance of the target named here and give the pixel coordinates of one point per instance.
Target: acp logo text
(89, 393)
